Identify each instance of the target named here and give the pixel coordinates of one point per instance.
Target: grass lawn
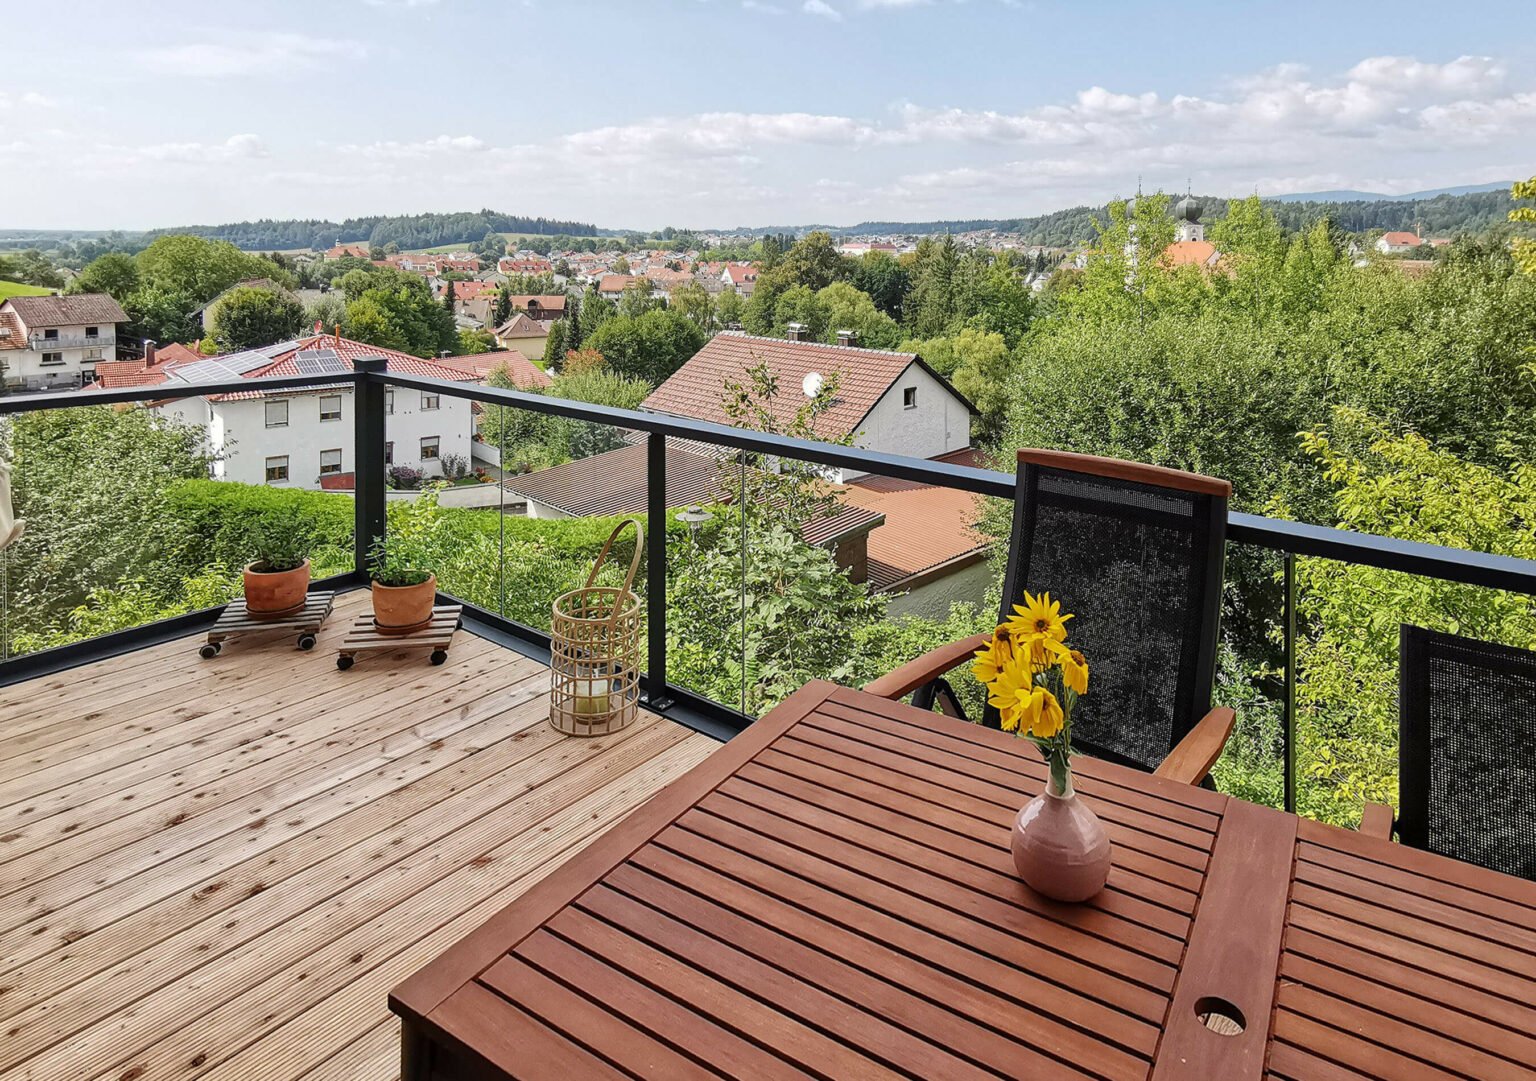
(16, 289)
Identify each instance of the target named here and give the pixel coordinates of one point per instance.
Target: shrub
(404, 478)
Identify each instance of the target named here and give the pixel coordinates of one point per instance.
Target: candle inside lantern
(591, 697)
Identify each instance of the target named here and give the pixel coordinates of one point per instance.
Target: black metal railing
(1289, 540)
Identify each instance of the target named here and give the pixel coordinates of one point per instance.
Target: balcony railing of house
(670, 681)
(43, 343)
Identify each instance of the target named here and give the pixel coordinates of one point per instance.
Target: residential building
(612, 286)
(296, 438)
(740, 277)
(928, 553)
(1395, 243)
(56, 342)
(148, 371)
(525, 335)
(524, 374)
(540, 308)
(886, 401)
(354, 251)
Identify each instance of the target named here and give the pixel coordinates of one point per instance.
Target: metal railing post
(656, 692)
(368, 454)
(1289, 731)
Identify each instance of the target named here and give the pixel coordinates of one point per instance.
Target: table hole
(1220, 1016)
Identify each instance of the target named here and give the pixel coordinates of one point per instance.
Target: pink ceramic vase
(1060, 847)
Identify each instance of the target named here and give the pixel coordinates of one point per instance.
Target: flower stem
(1061, 772)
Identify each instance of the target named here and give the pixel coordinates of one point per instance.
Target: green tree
(650, 347)
(199, 268)
(885, 280)
(638, 298)
(115, 273)
(850, 309)
(502, 310)
(931, 306)
(729, 308)
(693, 302)
(330, 311)
(1524, 247)
(595, 311)
(247, 317)
(815, 262)
(164, 315)
(90, 483)
(799, 304)
(554, 345)
(621, 265)
(397, 311)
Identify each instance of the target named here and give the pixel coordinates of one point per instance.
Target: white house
(55, 343)
(303, 438)
(1397, 242)
(887, 401)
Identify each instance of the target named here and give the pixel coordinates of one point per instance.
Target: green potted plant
(277, 580)
(402, 591)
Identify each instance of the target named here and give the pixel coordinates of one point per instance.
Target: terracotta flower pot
(1060, 848)
(403, 609)
(275, 593)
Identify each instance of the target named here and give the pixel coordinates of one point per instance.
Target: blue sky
(707, 113)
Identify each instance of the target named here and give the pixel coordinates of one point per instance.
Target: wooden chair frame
(1195, 750)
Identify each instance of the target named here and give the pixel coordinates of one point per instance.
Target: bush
(404, 478)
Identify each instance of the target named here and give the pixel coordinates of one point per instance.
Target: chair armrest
(930, 666)
(1197, 752)
(1377, 821)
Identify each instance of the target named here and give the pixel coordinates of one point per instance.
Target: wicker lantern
(594, 651)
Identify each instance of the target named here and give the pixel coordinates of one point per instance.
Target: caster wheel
(343, 663)
(306, 641)
(439, 656)
(209, 650)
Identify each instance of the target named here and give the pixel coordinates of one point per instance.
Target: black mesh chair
(1136, 551)
(1467, 777)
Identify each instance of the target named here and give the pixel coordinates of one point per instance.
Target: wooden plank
(255, 992)
(499, 1032)
(979, 1024)
(1362, 1058)
(1234, 949)
(1158, 881)
(593, 1023)
(905, 951)
(813, 1049)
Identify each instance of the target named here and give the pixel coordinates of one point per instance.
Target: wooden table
(831, 895)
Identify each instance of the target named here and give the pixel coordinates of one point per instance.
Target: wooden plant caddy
(236, 621)
(364, 637)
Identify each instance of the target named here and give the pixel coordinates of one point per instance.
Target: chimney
(848, 337)
(796, 332)
(149, 353)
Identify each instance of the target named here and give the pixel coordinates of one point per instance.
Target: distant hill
(1470, 209)
(1348, 196)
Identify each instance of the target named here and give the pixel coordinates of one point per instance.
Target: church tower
(1187, 214)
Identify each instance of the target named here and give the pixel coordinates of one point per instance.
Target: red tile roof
(1400, 238)
(697, 388)
(520, 326)
(927, 531)
(471, 290)
(117, 374)
(522, 371)
(284, 361)
(11, 334)
(554, 302)
(617, 283)
(1189, 253)
(741, 274)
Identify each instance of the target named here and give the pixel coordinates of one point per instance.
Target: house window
(52, 360)
(330, 461)
(389, 400)
(93, 353)
(87, 375)
(909, 398)
(429, 448)
(277, 414)
(92, 332)
(330, 407)
(389, 453)
(429, 401)
(51, 335)
(277, 469)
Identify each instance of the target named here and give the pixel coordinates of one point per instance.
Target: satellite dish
(811, 384)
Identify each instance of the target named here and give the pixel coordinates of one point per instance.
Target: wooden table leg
(415, 1054)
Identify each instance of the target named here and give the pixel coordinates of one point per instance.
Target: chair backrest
(1136, 552)
(1467, 783)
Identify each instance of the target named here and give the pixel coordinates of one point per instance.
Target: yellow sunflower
(1040, 714)
(1074, 671)
(1039, 616)
(1007, 694)
(993, 657)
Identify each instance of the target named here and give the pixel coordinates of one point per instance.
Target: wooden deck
(219, 868)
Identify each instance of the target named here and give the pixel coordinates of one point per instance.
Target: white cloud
(249, 55)
(761, 7)
(29, 99)
(822, 9)
(424, 149)
(236, 148)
